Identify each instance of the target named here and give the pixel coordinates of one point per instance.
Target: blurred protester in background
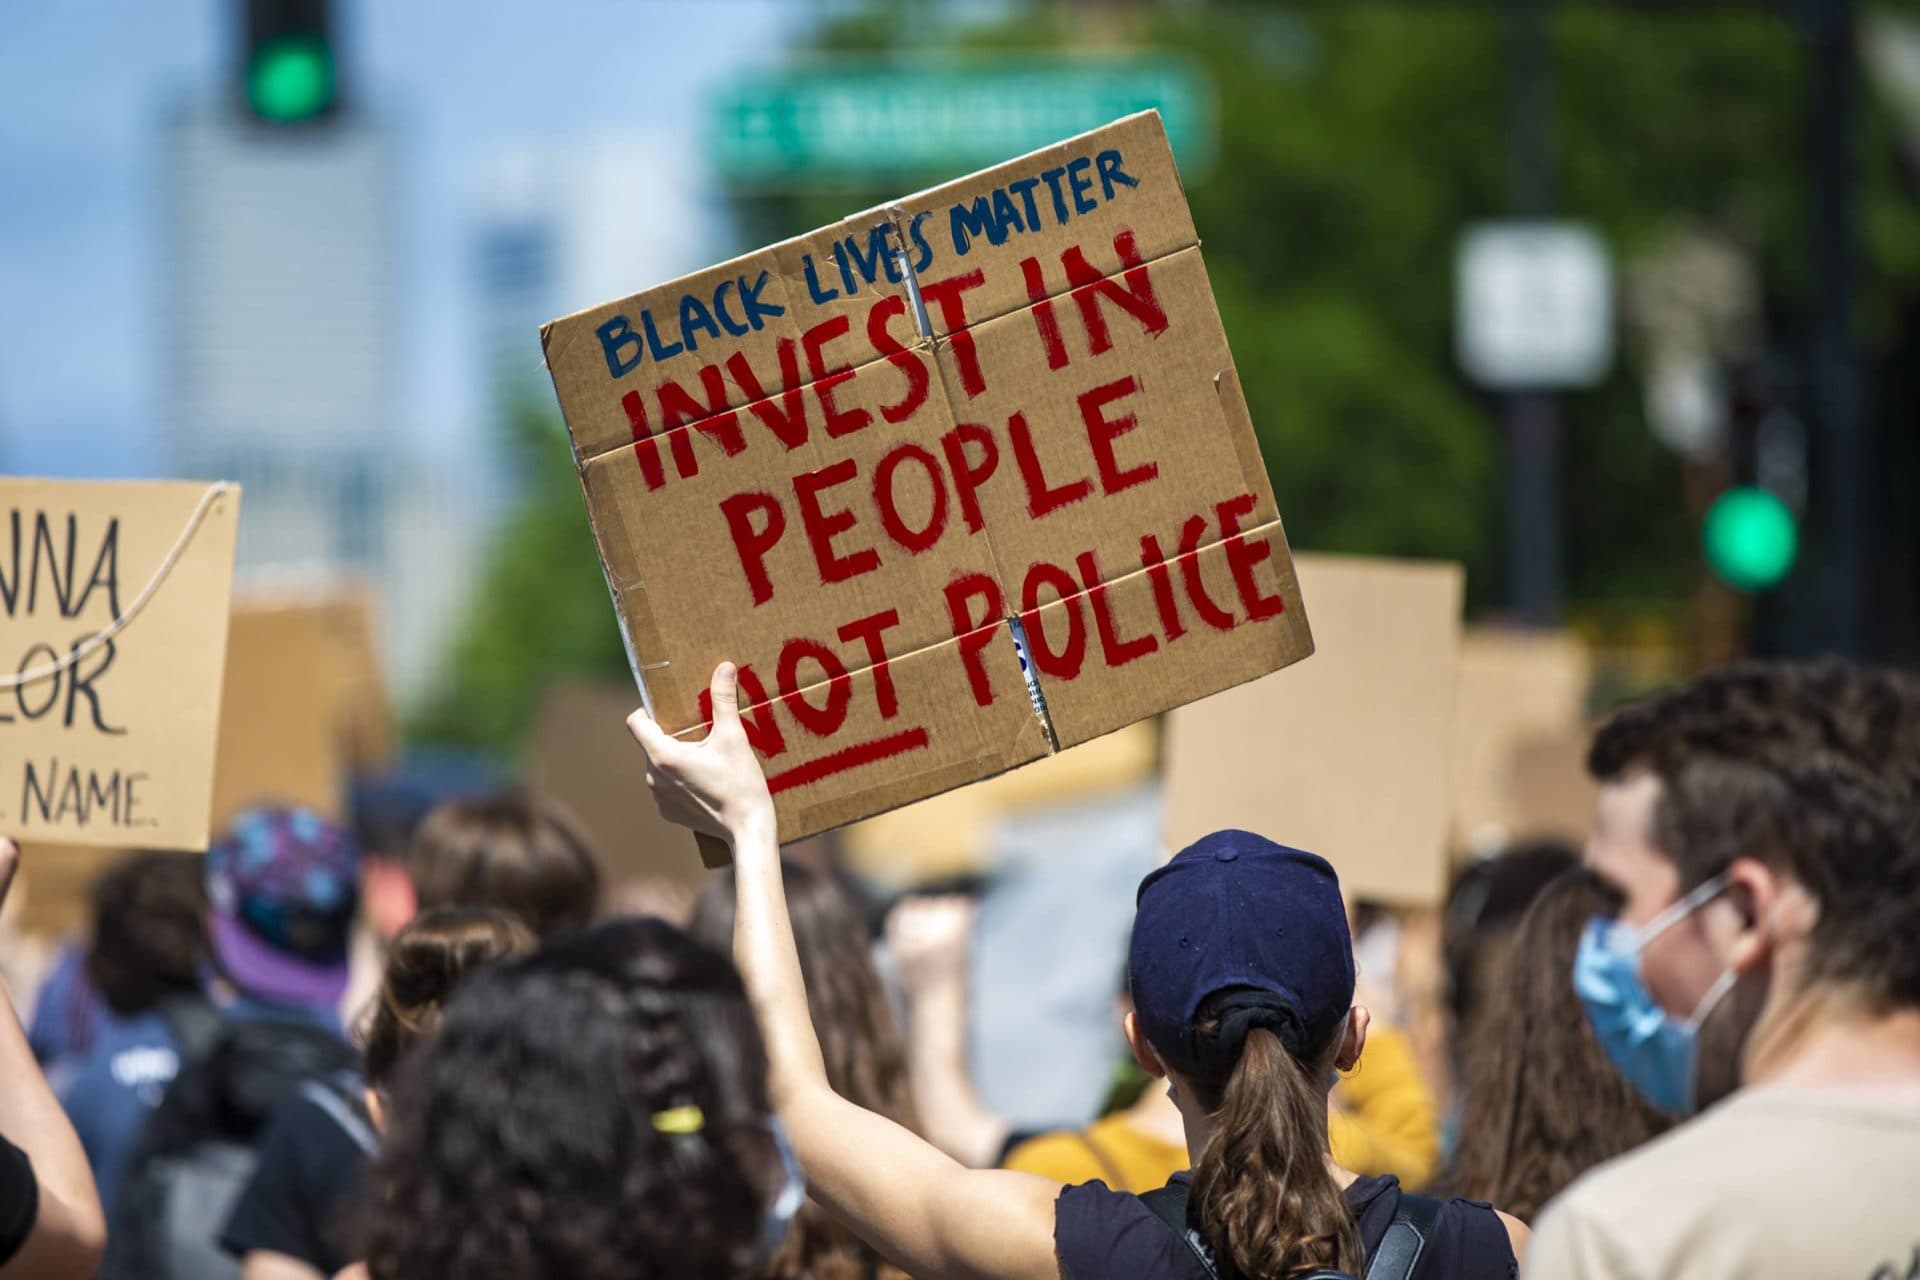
(291, 1221)
(1543, 1103)
(508, 852)
(596, 1111)
(147, 950)
(387, 811)
(1247, 1023)
(68, 1014)
(1759, 827)
(1483, 910)
(282, 887)
(51, 1224)
(866, 1057)
(1381, 1120)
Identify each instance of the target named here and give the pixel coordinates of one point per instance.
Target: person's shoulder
(1114, 1235)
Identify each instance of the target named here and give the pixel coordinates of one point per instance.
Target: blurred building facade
(281, 366)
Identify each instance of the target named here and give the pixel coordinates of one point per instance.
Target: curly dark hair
(1543, 1102)
(432, 955)
(1811, 767)
(1770, 711)
(149, 930)
(509, 852)
(865, 1052)
(522, 1141)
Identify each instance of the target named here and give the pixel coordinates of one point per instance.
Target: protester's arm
(264, 1264)
(1384, 1118)
(912, 1202)
(70, 1232)
(928, 940)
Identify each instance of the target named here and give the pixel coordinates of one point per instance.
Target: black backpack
(198, 1149)
(1395, 1259)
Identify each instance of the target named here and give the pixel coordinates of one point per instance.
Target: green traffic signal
(1750, 538)
(290, 79)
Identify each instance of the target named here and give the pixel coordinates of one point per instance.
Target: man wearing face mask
(1761, 829)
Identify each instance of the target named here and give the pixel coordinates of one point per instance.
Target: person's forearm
(71, 1228)
(32, 1119)
(956, 1120)
(769, 963)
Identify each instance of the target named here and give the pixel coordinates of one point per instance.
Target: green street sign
(846, 123)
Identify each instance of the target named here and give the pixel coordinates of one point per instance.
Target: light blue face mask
(787, 1202)
(1655, 1051)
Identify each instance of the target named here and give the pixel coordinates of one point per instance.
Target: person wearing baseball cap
(1242, 975)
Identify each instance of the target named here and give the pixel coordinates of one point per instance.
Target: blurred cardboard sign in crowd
(959, 482)
(1347, 756)
(115, 597)
(585, 763)
(306, 705)
(1520, 738)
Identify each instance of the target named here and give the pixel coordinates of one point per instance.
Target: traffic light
(288, 72)
(1750, 538)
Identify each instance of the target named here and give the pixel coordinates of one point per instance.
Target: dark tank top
(1100, 1234)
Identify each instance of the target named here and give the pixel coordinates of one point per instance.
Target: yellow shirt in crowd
(1383, 1120)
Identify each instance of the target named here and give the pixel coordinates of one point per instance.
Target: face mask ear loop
(1680, 910)
(1715, 994)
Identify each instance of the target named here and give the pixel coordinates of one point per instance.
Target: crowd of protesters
(425, 1048)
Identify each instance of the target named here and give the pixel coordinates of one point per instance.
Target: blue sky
(85, 83)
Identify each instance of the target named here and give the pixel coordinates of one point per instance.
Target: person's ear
(1353, 1040)
(1755, 891)
(1143, 1053)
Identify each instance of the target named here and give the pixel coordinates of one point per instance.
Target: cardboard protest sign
(584, 762)
(1346, 756)
(1521, 699)
(115, 598)
(959, 482)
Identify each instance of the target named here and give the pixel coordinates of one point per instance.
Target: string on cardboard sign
(215, 491)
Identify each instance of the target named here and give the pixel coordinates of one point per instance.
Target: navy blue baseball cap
(1235, 912)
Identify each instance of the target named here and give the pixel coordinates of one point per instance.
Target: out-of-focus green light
(1750, 538)
(291, 79)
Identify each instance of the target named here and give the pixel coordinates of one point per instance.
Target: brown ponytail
(426, 960)
(1262, 1194)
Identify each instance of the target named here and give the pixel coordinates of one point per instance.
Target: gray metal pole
(1532, 420)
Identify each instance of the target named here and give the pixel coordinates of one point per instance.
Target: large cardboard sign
(1346, 756)
(114, 633)
(959, 482)
(1521, 712)
(584, 762)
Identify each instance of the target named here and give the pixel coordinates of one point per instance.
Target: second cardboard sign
(958, 482)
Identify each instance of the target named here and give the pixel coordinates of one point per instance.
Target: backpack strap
(334, 1096)
(1406, 1238)
(1169, 1204)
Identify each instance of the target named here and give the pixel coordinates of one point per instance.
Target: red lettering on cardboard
(948, 295)
(823, 526)
(886, 497)
(975, 627)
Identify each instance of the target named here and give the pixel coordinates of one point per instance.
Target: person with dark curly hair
(292, 1220)
(597, 1111)
(866, 1054)
(146, 948)
(1543, 1102)
(1761, 829)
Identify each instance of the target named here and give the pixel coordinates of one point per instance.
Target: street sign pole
(1533, 426)
(1843, 515)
